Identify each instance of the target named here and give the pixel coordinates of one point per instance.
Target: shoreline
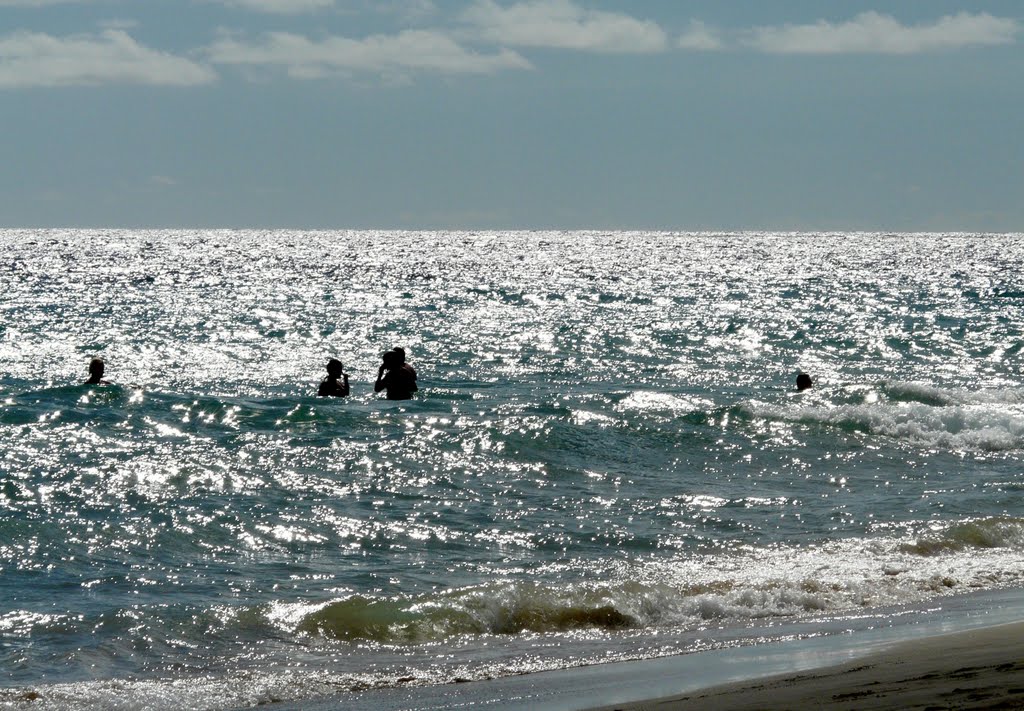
(660, 682)
(976, 669)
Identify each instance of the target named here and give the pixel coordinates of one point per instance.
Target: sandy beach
(978, 669)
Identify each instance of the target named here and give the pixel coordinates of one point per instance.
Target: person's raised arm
(379, 385)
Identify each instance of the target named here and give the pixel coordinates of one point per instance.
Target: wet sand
(978, 669)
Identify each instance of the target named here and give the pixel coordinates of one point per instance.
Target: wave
(988, 533)
(897, 391)
(69, 403)
(496, 610)
(676, 593)
(948, 418)
(479, 626)
(174, 413)
(692, 592)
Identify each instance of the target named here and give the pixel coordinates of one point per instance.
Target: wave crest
(693, 592)
(987, 421)
(980, 534)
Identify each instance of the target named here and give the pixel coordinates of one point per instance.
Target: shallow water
(606, 457)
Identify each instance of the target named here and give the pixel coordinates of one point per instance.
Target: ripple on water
(606, 453)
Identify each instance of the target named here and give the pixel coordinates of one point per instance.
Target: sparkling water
(607, 458)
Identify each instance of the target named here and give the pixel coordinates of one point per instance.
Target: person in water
(336, 382)
(804, 382)
(396, 376)
(96, 368)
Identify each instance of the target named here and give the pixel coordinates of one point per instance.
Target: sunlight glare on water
(606, 457)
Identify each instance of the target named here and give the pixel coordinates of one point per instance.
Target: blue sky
(426, 114)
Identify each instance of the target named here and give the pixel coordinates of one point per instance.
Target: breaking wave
(984, 421)
(691, 593)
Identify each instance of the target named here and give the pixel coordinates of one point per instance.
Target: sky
(503, 114)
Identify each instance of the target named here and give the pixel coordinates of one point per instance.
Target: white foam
(837, 577)
(930, 394)
(846, 577)
(932, 417)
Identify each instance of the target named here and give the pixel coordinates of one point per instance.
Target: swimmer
(96, 368)
(803, 382)
(396, 376)
(330, 387)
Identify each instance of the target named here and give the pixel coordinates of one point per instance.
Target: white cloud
(871, 32)
(562, 24)
(411, 50)
(30, 59)
(700, 37)
(280, 6)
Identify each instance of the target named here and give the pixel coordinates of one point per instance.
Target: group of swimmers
(395, 377)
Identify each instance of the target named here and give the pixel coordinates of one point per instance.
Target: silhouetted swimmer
(804, 382)
(396, 376)
(331, 387)
(96, 368)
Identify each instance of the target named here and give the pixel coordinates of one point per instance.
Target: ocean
(607, 459)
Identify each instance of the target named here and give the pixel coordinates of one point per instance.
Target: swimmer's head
(399, 355)
(96, 367)
(390, 359)
(334, 368)
(803, 381)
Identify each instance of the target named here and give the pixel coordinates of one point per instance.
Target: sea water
(606, 460)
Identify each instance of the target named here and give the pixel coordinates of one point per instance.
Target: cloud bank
(700, 37)
(29, 59)
(561, 24)
(483, 39)
(874, 33)
(412, 50)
